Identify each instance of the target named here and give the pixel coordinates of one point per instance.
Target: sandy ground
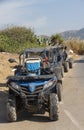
(5, 68)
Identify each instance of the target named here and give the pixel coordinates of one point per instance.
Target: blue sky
(43, 16)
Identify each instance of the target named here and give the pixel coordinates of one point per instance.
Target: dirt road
(71, 115)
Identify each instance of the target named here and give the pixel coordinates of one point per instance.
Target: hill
(71, 34)
(79, 34)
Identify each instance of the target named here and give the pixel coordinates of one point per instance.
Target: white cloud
(17, 13)
(10, 12)
(7, 12)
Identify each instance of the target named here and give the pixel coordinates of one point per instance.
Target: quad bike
(33, 87)
(67, 62)
(55, 60)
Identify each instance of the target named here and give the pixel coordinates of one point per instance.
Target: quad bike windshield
(32, 54)
(33, 60)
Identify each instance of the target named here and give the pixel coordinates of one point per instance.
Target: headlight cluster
(15, 86)
(50, 83)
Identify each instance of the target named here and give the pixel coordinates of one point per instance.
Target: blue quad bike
(33, 86)
(67, 61)
(55, 60)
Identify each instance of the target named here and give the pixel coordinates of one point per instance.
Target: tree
(19, 35)
(55, 39)
(15, 39)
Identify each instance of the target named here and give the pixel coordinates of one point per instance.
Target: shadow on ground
(3, 99)
(2, 84)
(34, 117)
(79, 61)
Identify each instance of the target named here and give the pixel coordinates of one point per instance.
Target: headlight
(50, 83)
(15, 86)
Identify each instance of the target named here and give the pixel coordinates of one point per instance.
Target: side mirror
(11, 60)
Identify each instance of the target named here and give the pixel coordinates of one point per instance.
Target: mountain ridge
(71, 34)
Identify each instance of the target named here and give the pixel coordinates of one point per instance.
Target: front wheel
(11, 110)
(70, 64)
(66, 66)
(53, 107)
(62, 71)
(59, 91)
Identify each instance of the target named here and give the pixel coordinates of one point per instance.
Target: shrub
(16, 39)
(76, 45)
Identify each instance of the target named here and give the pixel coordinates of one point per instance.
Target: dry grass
(76, 45)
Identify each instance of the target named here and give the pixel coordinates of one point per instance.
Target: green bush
(16, 39)
(55, 39)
